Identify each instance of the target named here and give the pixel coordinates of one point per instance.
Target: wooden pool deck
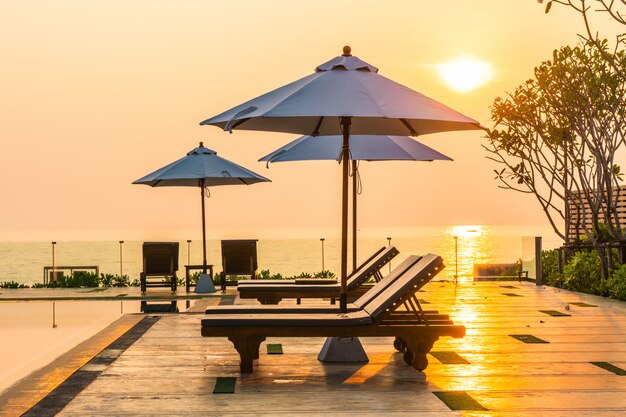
(172, 370)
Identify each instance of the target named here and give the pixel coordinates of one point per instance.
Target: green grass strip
(449, 358)
(225, 385)
(510, 287)
(611, 368)
(459, 400)
(528, 338)
(555, 313)
(511, 294)
(275, 349)
(580, 304)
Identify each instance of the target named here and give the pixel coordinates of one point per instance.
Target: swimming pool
(34, 333)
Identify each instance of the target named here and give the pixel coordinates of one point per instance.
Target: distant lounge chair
(160, 264)
(239, 258)
(322, 281)
(414, 333)
(356, 283)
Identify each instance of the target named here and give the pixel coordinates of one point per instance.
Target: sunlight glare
(465, 73)
(468, 231)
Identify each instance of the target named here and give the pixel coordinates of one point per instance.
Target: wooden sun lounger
(414, 336)
(356, 284)
(358, 304)
(321, 281)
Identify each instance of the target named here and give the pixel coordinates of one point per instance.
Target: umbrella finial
(201, 144)
(347, 51)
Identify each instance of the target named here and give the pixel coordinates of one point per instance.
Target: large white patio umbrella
(362, 148)
(344, 96)
(201, 168)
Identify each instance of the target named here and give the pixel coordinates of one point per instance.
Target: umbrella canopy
(345, 86)
(344, 96)
(201, 168)
(201, 164)
(362, 148)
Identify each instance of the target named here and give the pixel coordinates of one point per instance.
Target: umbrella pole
(203, 228)
(354, 197)
(343, 296)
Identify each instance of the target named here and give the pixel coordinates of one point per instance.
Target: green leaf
(548, 7)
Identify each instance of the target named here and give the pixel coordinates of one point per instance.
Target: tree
(556, 137)
(615, 9)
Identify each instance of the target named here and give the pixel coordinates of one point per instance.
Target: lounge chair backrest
(362, 264)
(160, 258)
(404, 287)
(239, 257)
(384, 283)
(374, 265)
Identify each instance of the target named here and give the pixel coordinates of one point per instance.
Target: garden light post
(121, 259)
(322, 240)
(54, 274)
(188, 252)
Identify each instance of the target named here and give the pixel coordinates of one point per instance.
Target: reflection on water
(472, 244)
(33, 334)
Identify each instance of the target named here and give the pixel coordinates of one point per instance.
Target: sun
(465, 73)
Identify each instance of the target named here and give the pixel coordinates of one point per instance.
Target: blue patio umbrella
(362, 148)
(201, 168)
(344, 96)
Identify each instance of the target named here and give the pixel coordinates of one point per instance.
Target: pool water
(33, 334)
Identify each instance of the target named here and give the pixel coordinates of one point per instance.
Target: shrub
(265, 274)
(12, 285)
(78, 279)
(121, 281)
(106, 280)
(324, 274)
(616, 284)
(583, 273)
(550, 268)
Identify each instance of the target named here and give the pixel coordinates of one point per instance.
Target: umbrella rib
(316, 132)
(239, 122)
(408, 126)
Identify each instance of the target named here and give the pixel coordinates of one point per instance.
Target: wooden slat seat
(415, 335)
(356, 283)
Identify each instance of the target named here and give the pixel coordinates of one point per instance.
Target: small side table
(188, 268)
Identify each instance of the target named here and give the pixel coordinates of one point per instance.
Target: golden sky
(94, 95)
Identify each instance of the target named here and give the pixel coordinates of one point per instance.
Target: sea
(461, 246)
